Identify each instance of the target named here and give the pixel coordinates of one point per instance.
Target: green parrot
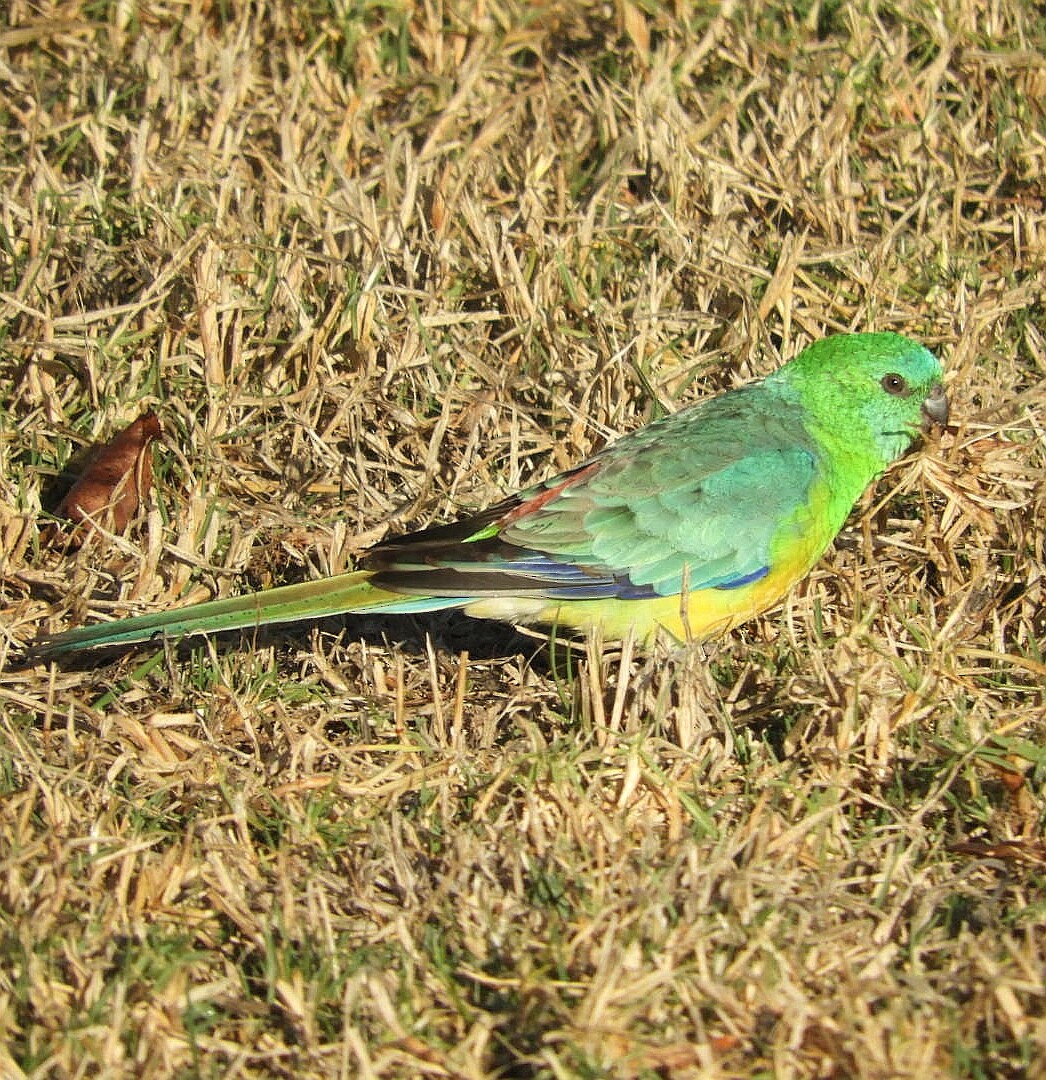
(692, 524)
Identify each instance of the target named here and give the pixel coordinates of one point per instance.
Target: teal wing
(700, 496)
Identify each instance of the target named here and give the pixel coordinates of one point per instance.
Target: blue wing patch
(746, 579)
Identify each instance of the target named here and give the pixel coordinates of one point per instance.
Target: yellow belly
(703, 614)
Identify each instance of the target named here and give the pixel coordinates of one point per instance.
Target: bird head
(875, 391)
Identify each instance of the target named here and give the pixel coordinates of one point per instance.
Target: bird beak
(935, 408)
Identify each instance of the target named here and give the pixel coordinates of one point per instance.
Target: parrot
(692, 524)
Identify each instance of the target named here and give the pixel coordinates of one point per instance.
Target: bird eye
(896, 385)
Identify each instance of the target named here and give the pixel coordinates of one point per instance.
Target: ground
(374, 265)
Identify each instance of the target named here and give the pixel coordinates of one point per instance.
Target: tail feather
(347, 593)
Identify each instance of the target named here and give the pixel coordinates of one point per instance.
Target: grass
(374, 265)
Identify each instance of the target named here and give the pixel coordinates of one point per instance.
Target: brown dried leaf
(1011, 779)
(635, 25)
(1031, 851)
(111, 488)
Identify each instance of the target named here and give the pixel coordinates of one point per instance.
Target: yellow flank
(705, 613)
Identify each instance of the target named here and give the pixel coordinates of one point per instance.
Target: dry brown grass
(374, 265)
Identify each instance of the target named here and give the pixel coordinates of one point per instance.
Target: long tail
(346, 593)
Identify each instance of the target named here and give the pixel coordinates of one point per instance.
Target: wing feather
(698, 496)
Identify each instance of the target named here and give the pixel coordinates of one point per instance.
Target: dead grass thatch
(373, 265)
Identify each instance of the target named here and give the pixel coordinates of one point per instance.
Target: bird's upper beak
(935, 407)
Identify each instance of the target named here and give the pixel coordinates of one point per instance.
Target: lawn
(373, 265)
